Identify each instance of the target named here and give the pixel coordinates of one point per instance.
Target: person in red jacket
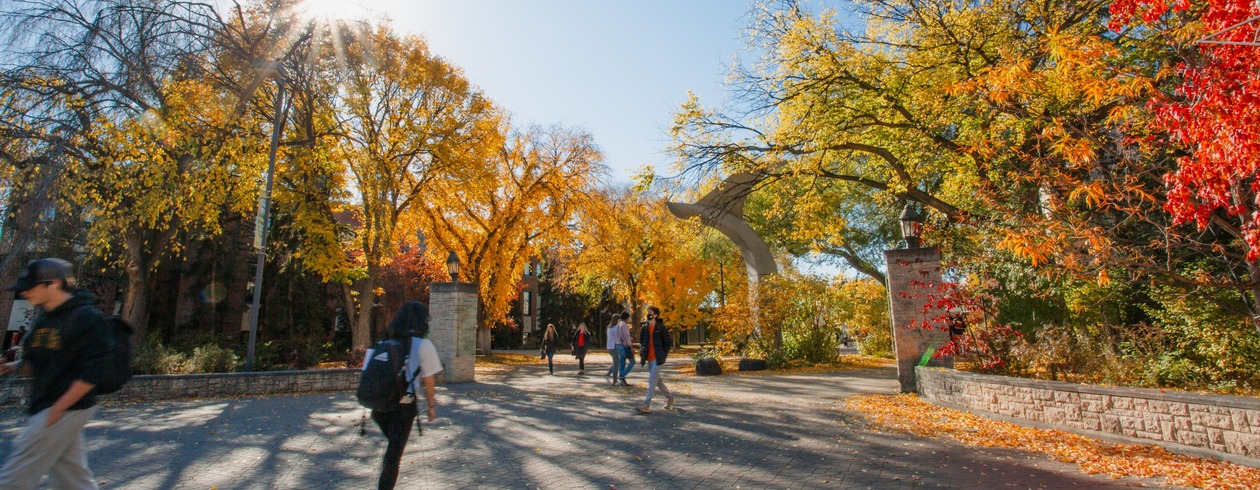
(581, 344)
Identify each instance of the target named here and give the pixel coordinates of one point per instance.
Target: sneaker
(624, 383)
(669, 402)
(643, 409)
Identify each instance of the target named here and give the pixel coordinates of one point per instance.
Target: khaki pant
(655, 382)
(56, 451)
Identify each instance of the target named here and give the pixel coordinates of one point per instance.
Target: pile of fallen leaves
(910, 414)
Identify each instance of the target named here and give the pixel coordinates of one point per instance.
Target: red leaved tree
(407, 278)
(1214, 113)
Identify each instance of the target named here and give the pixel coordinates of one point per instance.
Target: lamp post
(452, 266)
(453, 323)
(911, 226)
(910, 305)
(270, 69)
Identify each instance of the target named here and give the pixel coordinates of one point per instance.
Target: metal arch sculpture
(722, 209)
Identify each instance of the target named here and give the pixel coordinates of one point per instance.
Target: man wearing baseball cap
(66, 352)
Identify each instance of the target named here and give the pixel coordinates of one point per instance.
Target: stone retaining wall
(173, 386)
(1222, 423)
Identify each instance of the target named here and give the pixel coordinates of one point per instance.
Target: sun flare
(341, 10)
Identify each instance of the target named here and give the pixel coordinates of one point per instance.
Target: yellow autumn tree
(149, 140)
(629, 241)
(496, 213)
(681, 281)
(407, 118)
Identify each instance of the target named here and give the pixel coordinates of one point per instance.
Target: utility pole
(264, 210)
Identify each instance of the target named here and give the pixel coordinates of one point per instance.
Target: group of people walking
(654, 340)
(70, 340)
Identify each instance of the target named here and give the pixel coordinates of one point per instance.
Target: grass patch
(508, 360)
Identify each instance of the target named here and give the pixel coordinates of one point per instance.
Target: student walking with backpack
(67, 352)
(581, 344)
(656, 344)
(548, 348)
(393, 371)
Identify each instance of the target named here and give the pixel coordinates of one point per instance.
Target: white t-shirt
(423, 356)
(612, 337)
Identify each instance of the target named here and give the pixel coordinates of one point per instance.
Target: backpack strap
(411, 380)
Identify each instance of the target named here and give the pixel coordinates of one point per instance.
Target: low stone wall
(1221, 423)
(173, 386)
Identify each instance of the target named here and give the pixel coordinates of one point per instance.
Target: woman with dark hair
(409, 326)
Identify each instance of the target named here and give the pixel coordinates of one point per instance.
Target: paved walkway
(525, 429)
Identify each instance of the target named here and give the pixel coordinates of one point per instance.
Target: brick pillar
(913, 277)
(453, 328)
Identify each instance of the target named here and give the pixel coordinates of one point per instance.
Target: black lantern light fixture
(911, 226)
(452, 266)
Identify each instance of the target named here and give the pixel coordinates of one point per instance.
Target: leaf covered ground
(912, 415)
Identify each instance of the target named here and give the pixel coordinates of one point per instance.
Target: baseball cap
(41, 271)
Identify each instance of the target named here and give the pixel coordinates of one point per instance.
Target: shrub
(874, 341)
(354, 358)
(706, 353)
(268, 356)
(155, 358)
(998, 349)
(210, 358)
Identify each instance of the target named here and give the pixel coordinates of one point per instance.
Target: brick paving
(523, 428)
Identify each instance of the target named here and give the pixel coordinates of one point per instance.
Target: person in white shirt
(615, 369)
(410, 324)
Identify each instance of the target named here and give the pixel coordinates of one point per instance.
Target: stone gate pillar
(453, 328)
(914, 275)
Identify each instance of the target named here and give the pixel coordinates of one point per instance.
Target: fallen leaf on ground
(912, 415)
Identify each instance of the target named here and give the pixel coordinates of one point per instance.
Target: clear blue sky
(617, 69)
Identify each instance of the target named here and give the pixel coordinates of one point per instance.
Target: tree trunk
(361, 328)
(1253, 270)
(483, 340)
(135, 305)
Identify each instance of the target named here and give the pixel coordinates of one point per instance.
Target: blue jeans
(551, 368)
(615, 368)
(625, 359)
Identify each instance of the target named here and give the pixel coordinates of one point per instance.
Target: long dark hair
(412, 320)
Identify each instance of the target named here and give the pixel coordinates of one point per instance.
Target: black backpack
(121, 354)
(384, 380)
(120, 357)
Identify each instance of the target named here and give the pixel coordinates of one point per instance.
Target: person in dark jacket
(581, 344)
(67, 354)
(656, 342)
(550, 341)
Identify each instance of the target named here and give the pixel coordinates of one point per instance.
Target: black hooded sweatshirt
(69, 343)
